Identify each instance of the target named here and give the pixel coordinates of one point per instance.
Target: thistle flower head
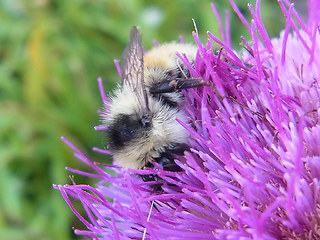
(254, 168)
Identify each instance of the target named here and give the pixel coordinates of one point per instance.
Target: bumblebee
(141, 118)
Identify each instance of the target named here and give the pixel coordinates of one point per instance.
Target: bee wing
(132, 69)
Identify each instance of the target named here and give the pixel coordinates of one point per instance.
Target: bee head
(127, 128)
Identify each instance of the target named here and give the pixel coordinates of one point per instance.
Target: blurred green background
(51, 54)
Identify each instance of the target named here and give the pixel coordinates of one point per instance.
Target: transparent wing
(132, 69)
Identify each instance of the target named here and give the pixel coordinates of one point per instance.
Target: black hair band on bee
(166, 161)
(172, 85)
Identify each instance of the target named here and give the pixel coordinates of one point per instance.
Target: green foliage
(51, 53)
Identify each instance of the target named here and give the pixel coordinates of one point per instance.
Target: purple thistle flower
(254, 168)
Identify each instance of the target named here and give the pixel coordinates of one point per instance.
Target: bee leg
(166, 161)
(168, 86)
(151, 178)
(167, 165)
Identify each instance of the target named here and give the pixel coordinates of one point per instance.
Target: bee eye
(145, 122)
